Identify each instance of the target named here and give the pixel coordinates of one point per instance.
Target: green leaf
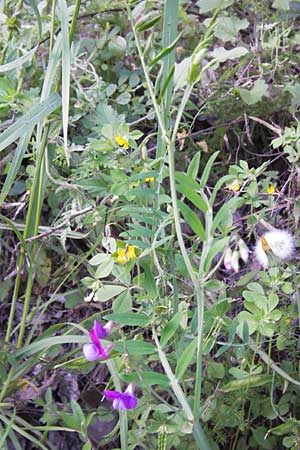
(227, 28)
(149, 378)
(281, 4)
(165, 51)
(146, 24)
(78, 413)
(192, 219)
(170, 329)
(210, 5)
(227, 210)
(187, 187)
(185, 359)
(222, 55)
(215, 370)
(193, 168)
(19, 61)
(193, 197)
(123, 99)
(254, 95)
(99, 259)
(43, 344)
(207, 170)
(135, 348)
(130, 319)
(245, 332)
(247, 382)
(217, 247)
(123, 303)
(181, 73)
(104, 269)
(109, 291)
(29, 120)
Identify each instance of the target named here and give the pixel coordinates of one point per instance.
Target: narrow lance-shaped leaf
(146, 24)
(207, 169)
(192, 220)
(130, 319)
(165, 51)
(185, 359)
(29, 120)
(19, 61)
(192, 196)
(193, 168)
(170, 329)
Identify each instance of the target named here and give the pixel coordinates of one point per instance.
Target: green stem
(52, 33)
(74, 20)
(173, 381)
(15, 295)
(31, 227)
(198, 382)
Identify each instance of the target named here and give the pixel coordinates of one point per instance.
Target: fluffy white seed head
(277, 243)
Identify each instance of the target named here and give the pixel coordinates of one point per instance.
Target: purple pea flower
(102, 332)
(95, 351)
(122, 401)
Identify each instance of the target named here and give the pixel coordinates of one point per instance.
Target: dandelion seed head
(278, 243)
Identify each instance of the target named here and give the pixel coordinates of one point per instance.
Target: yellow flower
(271, 189)
(234, 186)
(149, 179)
(125, 254)
(131, 252)
(121, 256)
(122, 142)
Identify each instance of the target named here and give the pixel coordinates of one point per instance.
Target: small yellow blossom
(271, 189)
(131, 252)
(234, 186)
(125, 254)
(122, 142)
(149, 179)
(121, 256)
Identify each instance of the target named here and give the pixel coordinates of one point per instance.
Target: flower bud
(244, 251)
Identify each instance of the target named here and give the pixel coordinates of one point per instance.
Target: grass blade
(65, 68)
(19, 61)
(38, 16)
(29, 120)
(15, 165)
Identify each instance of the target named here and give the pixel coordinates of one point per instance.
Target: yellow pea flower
(149, 179)
(234, 186)
(131, 252)
(121, 141)
(121, 256)
(125, 254)
(271, 189)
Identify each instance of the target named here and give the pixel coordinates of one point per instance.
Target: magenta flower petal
(122, 401)
(100, 331)
(129, 401)
(90, 351)
(111, 395)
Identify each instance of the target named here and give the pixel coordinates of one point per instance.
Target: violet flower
(122, 401)
(95, 351)
(102, 332)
